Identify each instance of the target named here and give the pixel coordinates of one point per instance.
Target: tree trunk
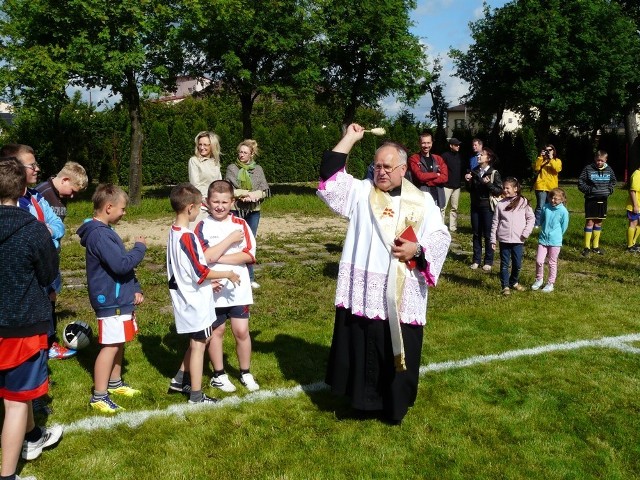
(246, 101)
(633, 142)
(132, 98)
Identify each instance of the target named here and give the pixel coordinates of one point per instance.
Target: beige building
(459, 117)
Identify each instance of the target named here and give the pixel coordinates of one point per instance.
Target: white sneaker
(50, 436)
(474, 266)
(223, 383)
(30, 477)
(249, 382)
(486, 268)
(255, 285)
(548, 288)
(537, 284)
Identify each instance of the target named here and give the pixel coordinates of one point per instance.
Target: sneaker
(50, 436)
(255, 285)
(204, 399)
(486, 268)
(586, 252)
(548, 288)
(223, 383)
(474, 266)
(58, 352)
(518, 287)
(30, 477)
(537, 284)
(506, 291)
(175, 387)
(249, 382)
(597, 251)
(124, 390)
(104, 405)
(633, 249)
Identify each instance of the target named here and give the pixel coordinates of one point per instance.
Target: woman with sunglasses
(547, 168)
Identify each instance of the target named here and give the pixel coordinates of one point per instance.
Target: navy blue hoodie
(110, 269)
(28, 263)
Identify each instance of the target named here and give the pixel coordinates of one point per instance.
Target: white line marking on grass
(136, 418)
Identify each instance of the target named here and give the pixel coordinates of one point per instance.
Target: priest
(394, 249)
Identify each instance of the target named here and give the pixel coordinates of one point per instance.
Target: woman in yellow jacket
(546, 168)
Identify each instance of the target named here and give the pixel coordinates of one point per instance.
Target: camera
(545, 153)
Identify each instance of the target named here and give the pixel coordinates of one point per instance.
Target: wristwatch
(418, 251)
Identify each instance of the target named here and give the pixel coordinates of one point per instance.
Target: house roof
(458, 108)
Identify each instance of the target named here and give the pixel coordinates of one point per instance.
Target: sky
(441, 25)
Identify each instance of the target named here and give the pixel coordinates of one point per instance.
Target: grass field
(556, 404)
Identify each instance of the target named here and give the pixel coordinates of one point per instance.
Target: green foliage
(564, 64)
(368, 52)
(251, 48)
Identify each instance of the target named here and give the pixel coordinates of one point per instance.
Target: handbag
(494, 199)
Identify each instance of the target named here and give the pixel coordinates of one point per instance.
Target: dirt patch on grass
(156, 230)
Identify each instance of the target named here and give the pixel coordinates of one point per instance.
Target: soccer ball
(77, 335)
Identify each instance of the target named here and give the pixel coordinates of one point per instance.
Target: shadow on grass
(164, 353)
(304, 363)
(293, 189)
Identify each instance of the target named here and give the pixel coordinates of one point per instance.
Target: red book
(408, 234)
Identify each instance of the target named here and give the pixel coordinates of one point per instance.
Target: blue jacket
(28, 263)
(110, 269)
(554, 221)
(38, 206)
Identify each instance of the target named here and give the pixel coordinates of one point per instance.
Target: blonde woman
(250, 188)
(204, 166)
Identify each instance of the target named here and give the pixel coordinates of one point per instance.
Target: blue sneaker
(58, 352)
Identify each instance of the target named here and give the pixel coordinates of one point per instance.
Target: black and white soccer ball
(77, 335)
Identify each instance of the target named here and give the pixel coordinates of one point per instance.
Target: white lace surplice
(362, 275)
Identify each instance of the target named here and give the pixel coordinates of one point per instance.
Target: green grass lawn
(567, 413)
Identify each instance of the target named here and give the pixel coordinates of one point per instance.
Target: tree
(369, 53)
(632, 9)
(556, 63)
(439, 105)
(119, 46)
(250, 48)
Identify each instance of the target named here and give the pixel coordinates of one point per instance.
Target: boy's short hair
(220, 186)
(105, 193)
(13, 178)
(75, 173)
(183, 195)
(601, 154)
(15, 149)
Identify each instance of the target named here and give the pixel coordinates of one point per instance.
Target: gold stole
(389, 225)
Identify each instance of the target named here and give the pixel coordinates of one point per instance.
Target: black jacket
(28, 264)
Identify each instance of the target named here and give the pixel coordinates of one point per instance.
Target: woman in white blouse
(204, 166)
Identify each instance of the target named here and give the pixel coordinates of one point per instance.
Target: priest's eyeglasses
(387, 170)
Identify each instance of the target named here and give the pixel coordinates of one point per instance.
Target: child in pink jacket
(513, 222)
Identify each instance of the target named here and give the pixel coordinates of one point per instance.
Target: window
(459, 124)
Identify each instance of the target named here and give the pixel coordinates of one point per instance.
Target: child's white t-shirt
(211, 232)
(191, 291)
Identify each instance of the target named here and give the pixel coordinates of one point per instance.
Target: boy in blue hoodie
(114, 292)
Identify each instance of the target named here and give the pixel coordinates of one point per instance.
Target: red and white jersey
(191, 291)
(211, 232)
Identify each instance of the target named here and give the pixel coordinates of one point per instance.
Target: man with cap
(454, 181)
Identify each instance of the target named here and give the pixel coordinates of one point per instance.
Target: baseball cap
(454, 141)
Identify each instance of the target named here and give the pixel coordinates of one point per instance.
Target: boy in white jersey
(231, 303)
(192, 290)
